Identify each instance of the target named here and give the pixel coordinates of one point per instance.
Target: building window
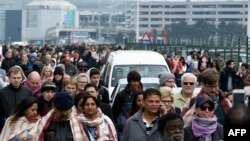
(143, 13)
(156, 19)
(156, 6)
(167, 19)
(204, 13)
(31, 18)
(204, 6)
(143, 19)
(178, 19)
(143, 25)
(229, 12)
(231, 6)
(178, 13)
(230, 19)
(144, 6)
(210, 19)
(156, 13)
(179, 6)
(156, 25)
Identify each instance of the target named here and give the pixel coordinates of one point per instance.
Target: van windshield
(121, 71)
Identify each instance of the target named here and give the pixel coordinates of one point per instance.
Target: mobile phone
(238, 96)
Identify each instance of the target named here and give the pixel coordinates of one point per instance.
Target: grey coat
(216, 136)
(135, 130)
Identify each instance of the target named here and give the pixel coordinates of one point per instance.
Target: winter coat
(103, 94)
(135, 130)
(122, 107)
(7, 63)
(9, 97)
(224, 78)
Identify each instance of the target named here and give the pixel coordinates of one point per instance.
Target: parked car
(149, 82)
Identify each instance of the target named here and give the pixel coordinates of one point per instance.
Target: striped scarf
(105, 129)
(75, 124)
(203, 127)
(18, 128)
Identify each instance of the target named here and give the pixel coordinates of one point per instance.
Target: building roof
(50, 4)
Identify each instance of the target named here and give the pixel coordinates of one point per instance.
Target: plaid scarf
(76, 127)
(18, 128)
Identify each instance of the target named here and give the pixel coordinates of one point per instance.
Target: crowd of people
(55, 94)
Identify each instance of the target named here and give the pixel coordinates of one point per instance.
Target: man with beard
(171, 126)
(188, 84)
(61, 124)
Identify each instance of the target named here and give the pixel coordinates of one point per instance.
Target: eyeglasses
(204, 108)
(190, 83)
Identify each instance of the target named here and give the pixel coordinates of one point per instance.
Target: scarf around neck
(92, 123)
(203, 127)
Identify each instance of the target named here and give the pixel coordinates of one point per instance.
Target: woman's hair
(69, 81)
(80, 96)
(82, 75)
(43, 70)
(21, 107)
(135, 107)
(92, 97)
(166, 92)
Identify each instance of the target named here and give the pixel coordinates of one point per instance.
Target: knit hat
(203, 99)
(58, 70)
(48, 85)
(247, 80)
(165, 77)
(63, 101)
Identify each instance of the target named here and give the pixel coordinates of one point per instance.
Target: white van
(120, 63)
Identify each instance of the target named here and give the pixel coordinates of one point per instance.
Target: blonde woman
(167, 99)
(47, 74)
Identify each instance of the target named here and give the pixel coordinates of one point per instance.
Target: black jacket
(122, 107)
(59, 131)
(106, 110)
(8, 63)
(226, 72)
(9, 97)
(103, 94)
